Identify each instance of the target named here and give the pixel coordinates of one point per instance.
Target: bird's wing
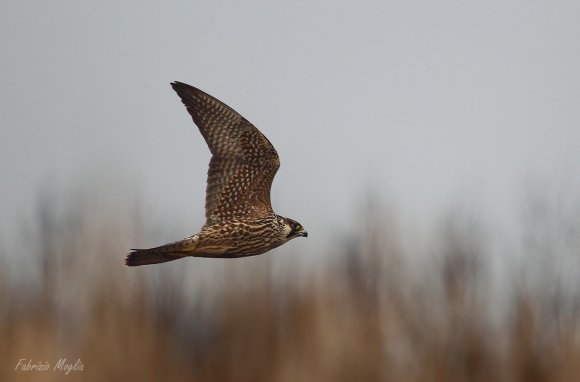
(243, 163)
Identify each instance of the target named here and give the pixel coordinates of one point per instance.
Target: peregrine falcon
(239, 221)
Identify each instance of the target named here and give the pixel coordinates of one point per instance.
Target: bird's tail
(162, 254)
(147, 256)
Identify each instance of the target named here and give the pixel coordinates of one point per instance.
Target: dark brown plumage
(239, 217)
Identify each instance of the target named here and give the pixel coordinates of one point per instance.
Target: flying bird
(239, 220)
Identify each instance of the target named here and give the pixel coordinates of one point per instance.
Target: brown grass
(369, 315)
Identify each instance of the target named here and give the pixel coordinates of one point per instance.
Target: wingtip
(182, 85)
(183, 89)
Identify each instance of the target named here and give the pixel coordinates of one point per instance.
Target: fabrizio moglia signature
(62, 365)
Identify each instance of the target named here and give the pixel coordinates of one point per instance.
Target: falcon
(239, 220)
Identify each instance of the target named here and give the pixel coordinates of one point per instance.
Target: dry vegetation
(370, 315)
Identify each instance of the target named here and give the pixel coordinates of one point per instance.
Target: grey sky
(426, 102)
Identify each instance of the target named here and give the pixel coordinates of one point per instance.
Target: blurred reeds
(372, 312)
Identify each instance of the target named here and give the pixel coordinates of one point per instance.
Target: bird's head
(293, 229)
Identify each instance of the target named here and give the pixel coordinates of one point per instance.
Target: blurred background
(431, 150)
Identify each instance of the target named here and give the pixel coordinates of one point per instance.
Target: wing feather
(243, 163)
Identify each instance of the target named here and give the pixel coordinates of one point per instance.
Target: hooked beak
(304, 233)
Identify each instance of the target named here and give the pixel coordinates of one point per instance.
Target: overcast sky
(424, 102)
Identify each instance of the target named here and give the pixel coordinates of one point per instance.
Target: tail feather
(162, 254)
(146, 256)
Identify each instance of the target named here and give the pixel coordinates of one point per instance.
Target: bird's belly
(234, 246)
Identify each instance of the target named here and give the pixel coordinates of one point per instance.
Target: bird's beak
(304, 233)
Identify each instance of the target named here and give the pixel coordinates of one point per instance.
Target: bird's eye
(296, 226)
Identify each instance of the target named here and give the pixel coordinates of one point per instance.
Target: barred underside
(243, 237)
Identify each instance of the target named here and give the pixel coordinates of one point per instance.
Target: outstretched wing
(243, 164)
